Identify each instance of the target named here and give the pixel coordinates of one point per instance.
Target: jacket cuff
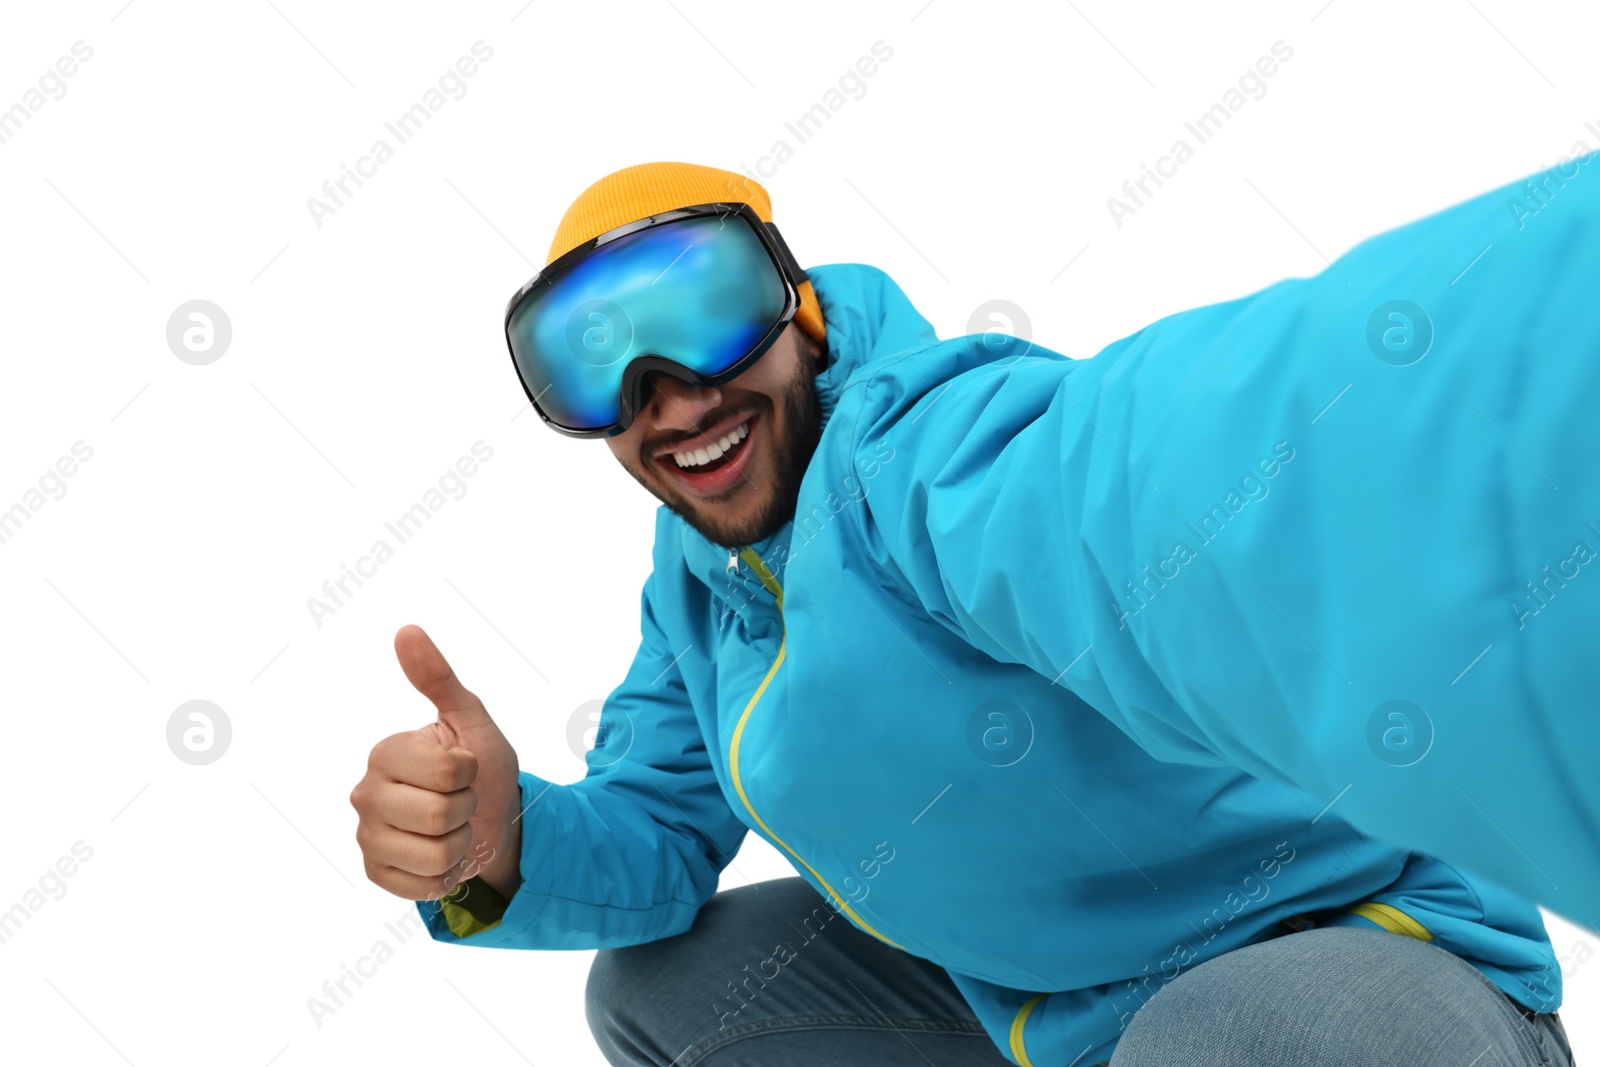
(473, 907)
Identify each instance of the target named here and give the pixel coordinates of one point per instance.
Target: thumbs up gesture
(437, 805)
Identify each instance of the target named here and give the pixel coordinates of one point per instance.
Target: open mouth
(713, 462)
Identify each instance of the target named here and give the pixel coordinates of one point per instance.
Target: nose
(672, 404)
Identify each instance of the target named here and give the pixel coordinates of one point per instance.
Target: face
(728, 459)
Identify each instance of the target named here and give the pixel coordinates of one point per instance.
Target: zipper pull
(733, 561)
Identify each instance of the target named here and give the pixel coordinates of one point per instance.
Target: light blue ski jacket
(1070, 675)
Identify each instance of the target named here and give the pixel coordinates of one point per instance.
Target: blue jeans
(1320, 998)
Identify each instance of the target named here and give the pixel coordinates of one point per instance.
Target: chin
(731, 532)
(747, 523)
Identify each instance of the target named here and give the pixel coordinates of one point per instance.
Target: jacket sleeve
(629, 853)
(1339, 534)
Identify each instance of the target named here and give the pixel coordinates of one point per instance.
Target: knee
(646, 1003)
(616, 1002)
(602, 995)
(1186, 1011)
(1268, 1002)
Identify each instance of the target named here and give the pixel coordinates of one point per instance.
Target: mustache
(699, 433)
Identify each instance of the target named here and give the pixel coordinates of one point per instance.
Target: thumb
(428, 671)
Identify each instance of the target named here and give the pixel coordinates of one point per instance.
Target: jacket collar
(869, 318)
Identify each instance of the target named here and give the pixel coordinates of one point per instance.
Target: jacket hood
(869, 319)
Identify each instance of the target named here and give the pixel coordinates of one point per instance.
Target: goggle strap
(791, 265)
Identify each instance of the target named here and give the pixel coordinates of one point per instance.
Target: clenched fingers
(422, 811)
(420, 854)
(416, 758)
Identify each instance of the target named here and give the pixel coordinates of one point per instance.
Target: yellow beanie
(633, 193)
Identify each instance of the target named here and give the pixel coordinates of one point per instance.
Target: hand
(437, 805)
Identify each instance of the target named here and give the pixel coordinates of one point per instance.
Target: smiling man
(1049, 802)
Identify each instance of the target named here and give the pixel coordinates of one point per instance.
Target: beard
(802, 429)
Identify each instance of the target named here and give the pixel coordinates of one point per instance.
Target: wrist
(502, 870)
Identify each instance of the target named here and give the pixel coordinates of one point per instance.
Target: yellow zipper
(769, 580)
(1018, 1050)
(1391, 919)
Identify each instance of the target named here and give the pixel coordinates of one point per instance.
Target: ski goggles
(698, 292)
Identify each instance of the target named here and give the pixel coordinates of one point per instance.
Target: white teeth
(701, 456)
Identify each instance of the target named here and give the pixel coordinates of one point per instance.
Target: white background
(366, 357)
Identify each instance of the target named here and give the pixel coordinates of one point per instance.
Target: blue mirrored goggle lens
(700, 291)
